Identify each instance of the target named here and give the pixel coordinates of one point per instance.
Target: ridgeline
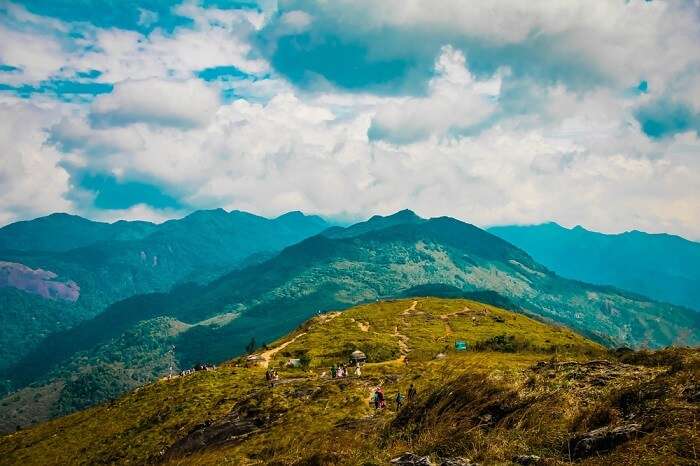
(522, 392)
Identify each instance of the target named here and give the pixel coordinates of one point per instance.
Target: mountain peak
(405, 214)
(377, 222)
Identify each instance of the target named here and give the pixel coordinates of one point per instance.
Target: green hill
(383, 258)
(524, 392)
(663, 267)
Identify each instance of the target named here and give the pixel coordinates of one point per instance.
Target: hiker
(405, 360)
(375, 398)
(411, 393)
(382, 400)
(358, 372)
(268, 377)
(399, 400)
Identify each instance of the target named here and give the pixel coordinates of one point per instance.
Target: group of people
(379, 400)
(197, 368)
(271, 376)
(341, 370)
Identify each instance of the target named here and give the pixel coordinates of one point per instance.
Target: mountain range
(147, 335)
(661, 266)
(59, 270)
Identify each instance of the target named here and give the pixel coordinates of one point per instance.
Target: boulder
(409, 459)
(602, 440)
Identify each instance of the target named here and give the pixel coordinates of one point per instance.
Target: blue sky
(501, 112)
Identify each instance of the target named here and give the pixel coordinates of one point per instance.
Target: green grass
(312, 419)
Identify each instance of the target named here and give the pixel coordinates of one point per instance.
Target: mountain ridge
(382, 258)
(497, 401)
(662, 266)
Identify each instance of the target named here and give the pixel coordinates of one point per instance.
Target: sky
(500, 112)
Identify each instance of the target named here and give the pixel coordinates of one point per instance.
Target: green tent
(461, 345)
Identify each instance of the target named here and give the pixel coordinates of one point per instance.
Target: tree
(250, 347)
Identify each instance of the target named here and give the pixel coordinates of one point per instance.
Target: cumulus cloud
(578, 42)
(47, 49)
(456, 101)
(180, 104)
(522, 113)
(32, 182)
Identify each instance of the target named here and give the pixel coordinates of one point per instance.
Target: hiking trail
(267, 355)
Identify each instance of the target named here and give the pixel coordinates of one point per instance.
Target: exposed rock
(409, 459)
(37, 281)
(602, 440)
(245, 419)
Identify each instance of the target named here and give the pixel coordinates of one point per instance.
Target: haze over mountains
(663, 267)
(78, 355)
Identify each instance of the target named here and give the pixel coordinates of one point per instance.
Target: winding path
(267, 355)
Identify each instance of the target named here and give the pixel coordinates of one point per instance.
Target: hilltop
(524, 392)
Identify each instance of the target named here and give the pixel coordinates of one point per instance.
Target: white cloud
(296, 20)
(581, 159)
(31, 181)
(147, 17)
(618, 42)
(547, 152)
(43, 49)
(181, 104)
(456, 101)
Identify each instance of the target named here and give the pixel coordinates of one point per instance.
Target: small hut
(358, 356)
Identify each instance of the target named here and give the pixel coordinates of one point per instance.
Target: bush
(502, 343)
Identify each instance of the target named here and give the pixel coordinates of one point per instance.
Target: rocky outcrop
(602, 440)
(37, 281)
(244, 420)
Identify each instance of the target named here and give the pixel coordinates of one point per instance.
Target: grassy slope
(233, 417)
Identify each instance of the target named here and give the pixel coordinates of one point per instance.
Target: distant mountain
(62, 232)
(661, 266)
(381, 258)
(97, 264)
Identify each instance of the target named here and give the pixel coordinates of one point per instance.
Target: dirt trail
(408, 310)
(267, 355)
(446, 319)
(327, 317)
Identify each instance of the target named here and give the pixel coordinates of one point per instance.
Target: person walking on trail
(399, 400)
(411, 393)
(268, 377)
(376, 398)
(358, 372)
(382, 400)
